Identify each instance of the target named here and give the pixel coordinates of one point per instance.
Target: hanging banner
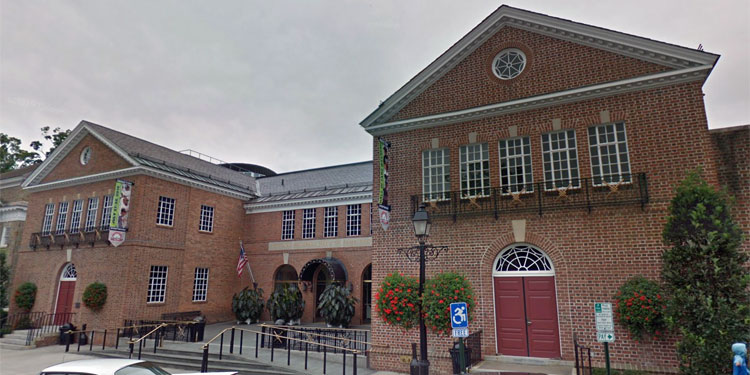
(384, 209)
(118, 220)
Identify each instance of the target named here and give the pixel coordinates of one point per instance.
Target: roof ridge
(317, 169)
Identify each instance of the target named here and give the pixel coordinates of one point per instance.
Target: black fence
(582, 358)
(175, 331)
(575, 193)
(21, 320)
(474, 341)
(75, 237)
(333, 340)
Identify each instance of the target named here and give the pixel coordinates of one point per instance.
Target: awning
(335, 268)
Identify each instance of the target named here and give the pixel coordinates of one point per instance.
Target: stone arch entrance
(526, 320)
(65, 289)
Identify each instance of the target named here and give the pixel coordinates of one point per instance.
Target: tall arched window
(367, 294)
(285, 274)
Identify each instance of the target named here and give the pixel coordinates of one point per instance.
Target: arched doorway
(525, 303)
(65, 289)
(285, 274)
(322, 279)
(367, 294)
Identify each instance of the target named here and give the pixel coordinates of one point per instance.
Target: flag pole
(247, 264)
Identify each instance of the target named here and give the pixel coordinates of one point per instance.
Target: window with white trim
(91, 214)
(62, 217)
(515, 165)
(49, 213)
(5, 237)
(308, 223)
(200, 284)
(106, 212)
(165, 213)
(610, 162)
(560, 160)
(436, 182)
(475, 170)
(157, 284)
(331, 221)
(287, 225)
(353, 220)
(75, 216)
(207, 219)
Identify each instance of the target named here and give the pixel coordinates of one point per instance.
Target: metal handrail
(148, 334)
(318, 334)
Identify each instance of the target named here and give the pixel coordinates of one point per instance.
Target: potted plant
(286, 305)
(336, 304)
(248, 304)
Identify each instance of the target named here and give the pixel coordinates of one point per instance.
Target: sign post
(605, 327)
(460, 325)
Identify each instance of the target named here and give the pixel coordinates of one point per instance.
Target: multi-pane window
(515, 165)
(200, 284)
(287, 225)
(475, 170)
(62, 217)
(308, 223)
(331, 222)
(560, 160)
(436, 181)
(157, 284)
(106, 212)
(75, 216)
(207, 219)
(165, 213)
(609, 154)
(353, 220)
(91, 214)
(49, 212)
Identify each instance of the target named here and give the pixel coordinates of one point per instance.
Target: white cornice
(546, 100)
(12, 213)
(297, 204)
(134, 171)
(624, 44)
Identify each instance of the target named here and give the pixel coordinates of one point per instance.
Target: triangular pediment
(664, 64)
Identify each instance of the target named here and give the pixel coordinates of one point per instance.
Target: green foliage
(248, 304)
(705, 277)
(397, 300)
(336, 304)
(439, 293)
(95, 296)
(4, 281)
(25, 296)
(641, 307)
(286, 303)
(12, 156)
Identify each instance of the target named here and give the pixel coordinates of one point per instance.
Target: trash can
(455, 358)
(82, 338)
(65, 337)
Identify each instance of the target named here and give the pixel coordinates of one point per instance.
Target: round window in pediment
(509, 63)
(85, 155)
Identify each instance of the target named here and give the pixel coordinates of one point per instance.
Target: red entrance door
(64, 302)
(526, 317)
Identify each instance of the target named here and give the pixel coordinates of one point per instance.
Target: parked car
(113, 366)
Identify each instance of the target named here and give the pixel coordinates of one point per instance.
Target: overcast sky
(285, 83)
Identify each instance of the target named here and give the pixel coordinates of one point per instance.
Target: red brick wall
(733, 155)
(103, 159)
(552, 65)
(593, 254)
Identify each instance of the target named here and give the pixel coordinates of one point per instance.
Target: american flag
(242, 261)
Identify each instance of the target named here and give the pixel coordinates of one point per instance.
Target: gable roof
(687, 65)
(149, 158)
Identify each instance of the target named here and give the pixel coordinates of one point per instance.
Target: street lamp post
(422, 223)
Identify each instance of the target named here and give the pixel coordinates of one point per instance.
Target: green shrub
(640, 307)
(25, 296)
(286, 303)
(248, 304)
(705, 277)
(439, 293)
(95, 296)
(397, 300)
(336, 305)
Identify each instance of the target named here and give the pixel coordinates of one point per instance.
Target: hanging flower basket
(25, 296)
(640, 307)
(439, 293)
(95, 296)
(397, 300)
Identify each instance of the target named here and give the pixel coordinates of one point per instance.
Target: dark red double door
(526, 317)
(64, 302)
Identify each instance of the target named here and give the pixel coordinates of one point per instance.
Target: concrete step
(14, 340)
(12, 346)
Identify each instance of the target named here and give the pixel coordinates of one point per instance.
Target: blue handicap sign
(459, 315)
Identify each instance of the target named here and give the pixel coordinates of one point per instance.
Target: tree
(705, 276)
(12, 156)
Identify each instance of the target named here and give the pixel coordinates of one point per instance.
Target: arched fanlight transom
(69, 273)
(523, 260)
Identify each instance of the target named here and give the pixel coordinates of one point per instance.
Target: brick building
(13, 204)
(546, 152)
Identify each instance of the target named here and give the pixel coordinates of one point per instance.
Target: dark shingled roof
(25, 171)
(160, 157)
(337, 179)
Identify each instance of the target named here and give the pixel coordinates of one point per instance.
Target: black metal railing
(187, 331)
(474, 341)
(76, 237)
(582, 358)
(140, 336)
(578, 193)
(22, 320)
(335, 338)
(47, 323)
